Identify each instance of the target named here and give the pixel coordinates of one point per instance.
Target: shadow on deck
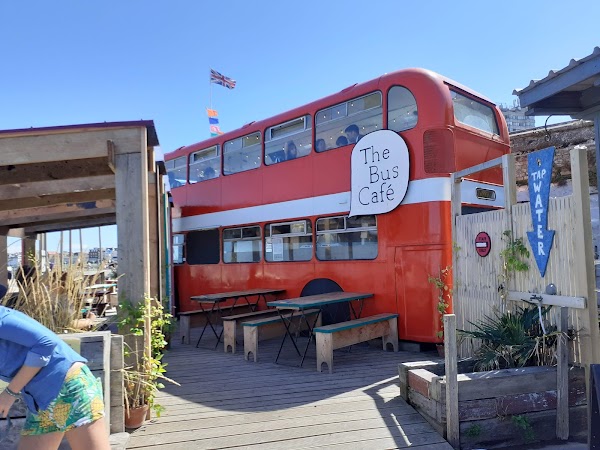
(227, 402)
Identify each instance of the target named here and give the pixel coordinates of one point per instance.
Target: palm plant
(514, 339)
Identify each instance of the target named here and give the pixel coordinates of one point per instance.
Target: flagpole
(210, 91)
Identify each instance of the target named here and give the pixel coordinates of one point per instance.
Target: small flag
(213, 122)
(216, 77)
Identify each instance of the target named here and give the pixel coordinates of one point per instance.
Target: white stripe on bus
(419, 191)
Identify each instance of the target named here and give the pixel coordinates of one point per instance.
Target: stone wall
(564, 137)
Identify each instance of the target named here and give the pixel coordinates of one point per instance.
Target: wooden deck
(227, 402)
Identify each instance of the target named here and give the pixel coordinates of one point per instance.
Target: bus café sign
(380, 169)
(539, 169)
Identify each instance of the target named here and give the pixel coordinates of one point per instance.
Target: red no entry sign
(483, 244)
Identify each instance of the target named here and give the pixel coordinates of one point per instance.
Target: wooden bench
(270, 327)
(343, 334)
(197, 318)
(231, 323)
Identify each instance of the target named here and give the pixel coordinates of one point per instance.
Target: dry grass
(54, 299)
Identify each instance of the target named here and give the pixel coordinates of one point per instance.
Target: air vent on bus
(438, 149)
(485, 194)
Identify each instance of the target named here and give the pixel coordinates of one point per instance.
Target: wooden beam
(55, 213)
(478, 168)
(66, 145)
(95, 221)
(58, 199)
(52, 171)
(42, 188)
(110, 149)
(554, 300)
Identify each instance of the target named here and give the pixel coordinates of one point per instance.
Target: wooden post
(562, 377)
(4, 260)
(452, 422)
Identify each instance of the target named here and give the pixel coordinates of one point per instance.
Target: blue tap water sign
(539, 168)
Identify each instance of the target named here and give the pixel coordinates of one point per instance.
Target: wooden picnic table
(215, 300)
(318, 301)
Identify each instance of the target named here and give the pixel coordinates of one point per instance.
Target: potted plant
(144, 374)
(444, 295)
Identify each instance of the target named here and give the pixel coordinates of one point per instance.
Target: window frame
(306, 223)
(192, 163)
(345, 230)
(305, 132)
(226, 171)
(258, 238)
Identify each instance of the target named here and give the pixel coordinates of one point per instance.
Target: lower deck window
(242, 245)
(343, 238)
(289, 241)
(202, 247)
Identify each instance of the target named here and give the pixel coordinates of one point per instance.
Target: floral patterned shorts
(79, 402)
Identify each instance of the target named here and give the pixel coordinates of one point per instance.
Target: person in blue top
(61, 394)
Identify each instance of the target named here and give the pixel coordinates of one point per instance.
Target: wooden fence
(478, 280)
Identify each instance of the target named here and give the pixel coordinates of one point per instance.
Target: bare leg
(89, 437)
(49, 441)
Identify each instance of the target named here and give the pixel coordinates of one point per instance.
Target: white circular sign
(380, 169)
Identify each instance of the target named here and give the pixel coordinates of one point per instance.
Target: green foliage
(145, 375)
(514, 254)
(444, 295)
(514, 340)
(474, 430)
(523, 424)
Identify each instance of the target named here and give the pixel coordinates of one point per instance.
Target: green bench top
(355, 323)
(278, 318)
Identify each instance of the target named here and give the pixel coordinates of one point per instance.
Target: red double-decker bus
(269, 204)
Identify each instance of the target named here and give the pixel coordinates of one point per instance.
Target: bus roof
(321, 103)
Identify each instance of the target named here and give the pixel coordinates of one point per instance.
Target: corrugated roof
(554, 73)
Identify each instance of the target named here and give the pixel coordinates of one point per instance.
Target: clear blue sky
(71, 62)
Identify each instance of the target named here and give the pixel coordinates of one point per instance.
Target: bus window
(280, 138)
(402, 109)
(347, 122)
(473, 113)
(178, 246)
(202, 247)
(177, 171)
(241, 245)
(205, 164)
(289, 241)
(344, 237)
(242, 154)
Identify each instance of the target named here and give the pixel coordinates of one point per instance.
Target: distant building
(516, 118)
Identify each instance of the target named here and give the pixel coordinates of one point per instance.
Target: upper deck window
(177, 171)
(473, 113)
(242, 154)
(205, 164)
(402, 109)
(347, 122)
(289, 140)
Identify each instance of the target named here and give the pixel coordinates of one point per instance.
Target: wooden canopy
(79, 176)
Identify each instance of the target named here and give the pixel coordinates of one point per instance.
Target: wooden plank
(315, 301)
(95, 221)
(65, 145)
(478, 168)
(403, 370)
(53, 171)
(562, 377)
(117, 403)
(355, 323)
(61, 186)
(57, 199)
(56, 213)
(452, 423)
(554, 300)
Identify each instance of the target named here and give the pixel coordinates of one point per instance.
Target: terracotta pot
(135, 417)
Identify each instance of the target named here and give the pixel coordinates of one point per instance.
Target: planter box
(104, 353)
(500, 408)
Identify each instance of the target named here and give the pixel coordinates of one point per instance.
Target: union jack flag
(216, 77)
